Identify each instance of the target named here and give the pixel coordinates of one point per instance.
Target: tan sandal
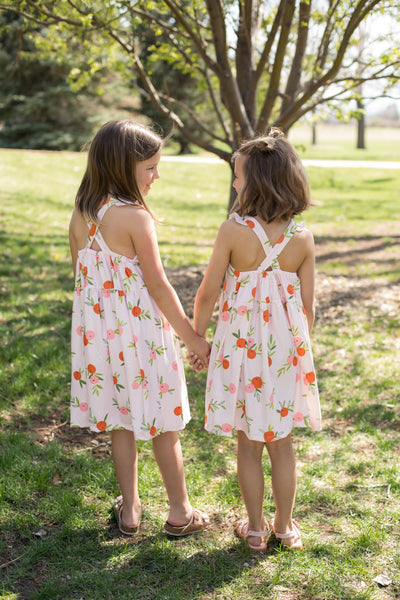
(125, 529)
(242, 531)
(290, 540)
(197, 522)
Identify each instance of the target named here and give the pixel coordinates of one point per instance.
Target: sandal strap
(198, 521)
(257, 533)
(293, 534)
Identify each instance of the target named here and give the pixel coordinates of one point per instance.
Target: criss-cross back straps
(271, 252)
(94, 232)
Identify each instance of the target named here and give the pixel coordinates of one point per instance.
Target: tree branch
(268, 44)
(186, 131)
(173, 101)
(196, 39)
(301, 44)
(273, 87)
(314, 85)
(229, 90)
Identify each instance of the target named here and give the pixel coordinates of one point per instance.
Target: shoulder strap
(94, 232)
(271, 252)
(271, 259)
(255, 226)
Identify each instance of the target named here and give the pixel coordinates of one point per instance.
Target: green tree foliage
(260, 62)
(170, 76)
(46, 101)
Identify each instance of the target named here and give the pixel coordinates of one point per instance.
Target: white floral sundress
(261, 376)
(127, 370)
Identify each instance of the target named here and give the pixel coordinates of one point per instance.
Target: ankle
(180, 515)
(281, 526)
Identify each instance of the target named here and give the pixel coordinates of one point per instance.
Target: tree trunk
(232, 195)
(314, 134)
(361, 127)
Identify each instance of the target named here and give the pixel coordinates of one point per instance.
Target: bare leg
(284, 481)
(251, 482)
(124, 455)
(168, 454)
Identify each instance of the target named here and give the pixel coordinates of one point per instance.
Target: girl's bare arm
(210, 287)
(144, 238)
(306, 274)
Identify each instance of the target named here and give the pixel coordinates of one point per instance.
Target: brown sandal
(118, 516)
(197, 522)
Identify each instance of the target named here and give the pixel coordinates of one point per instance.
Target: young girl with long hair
(127, 371)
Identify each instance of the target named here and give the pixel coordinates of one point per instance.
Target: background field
(57, 485)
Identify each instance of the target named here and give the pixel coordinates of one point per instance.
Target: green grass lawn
(57, 485)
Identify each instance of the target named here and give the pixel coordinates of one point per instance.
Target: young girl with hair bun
(261, 378)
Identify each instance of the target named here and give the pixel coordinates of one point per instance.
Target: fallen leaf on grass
(382, 580)
(40, 533)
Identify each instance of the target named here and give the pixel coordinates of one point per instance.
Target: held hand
(198, 353)
(195, 362)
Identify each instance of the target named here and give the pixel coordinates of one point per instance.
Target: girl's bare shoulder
(304, 236)
(77, 224)
(128, 217)
(232, 227)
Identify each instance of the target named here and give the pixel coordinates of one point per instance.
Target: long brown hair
(275, 182)
(113, 154)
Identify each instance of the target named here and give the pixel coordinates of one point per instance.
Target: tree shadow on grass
(351, 252)
(79, 563)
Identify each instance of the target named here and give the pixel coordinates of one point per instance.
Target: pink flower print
(164, 387)
(123, 410)
(135, 385)
(106, 293)
(225, 316)
(221, 357)
(110, 334)
(120, 330)
(85, 283)
(135, 339)
(297, 340)
(167, 326)
(250, 342)
(144, 385)
(271, 398)
(297, 377)
(90, 335)
(78, 290)
(94, 379)
(175, 365)
(249, 388)
(232, 388)
(115, 267)
(226, 427)
(298, 417)
(153, 354)
(242, 310)
(84, 406)
(290, 359)
(79, 330)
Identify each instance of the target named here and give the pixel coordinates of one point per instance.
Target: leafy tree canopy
(260, 62)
